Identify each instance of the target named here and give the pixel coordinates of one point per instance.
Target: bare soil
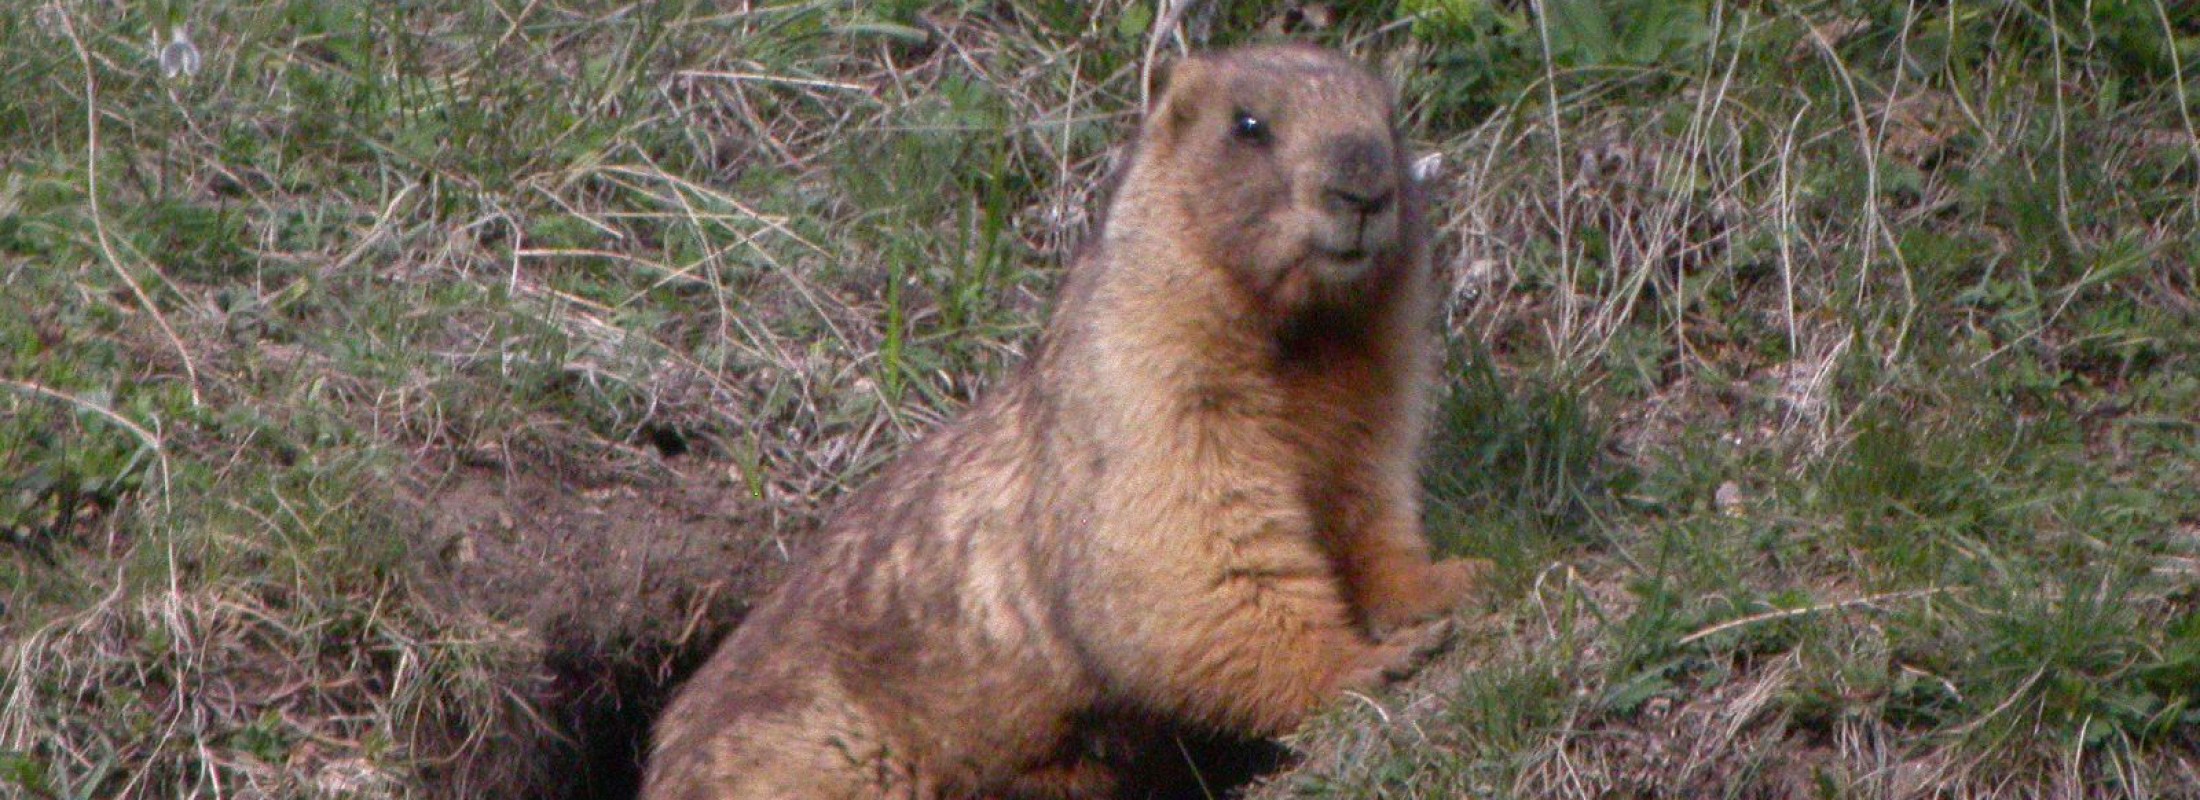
(628, 583)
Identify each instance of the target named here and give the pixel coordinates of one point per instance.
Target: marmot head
(1282, 164)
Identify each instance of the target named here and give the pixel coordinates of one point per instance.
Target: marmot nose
(1356, 199)
(1359, 179)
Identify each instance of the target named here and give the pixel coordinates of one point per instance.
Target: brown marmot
(1196, 503)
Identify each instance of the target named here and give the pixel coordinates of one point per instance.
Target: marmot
(1195, 504)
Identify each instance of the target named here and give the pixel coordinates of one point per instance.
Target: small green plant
(1532, 450)
(1485, 53)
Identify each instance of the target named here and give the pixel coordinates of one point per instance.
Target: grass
(394, 404)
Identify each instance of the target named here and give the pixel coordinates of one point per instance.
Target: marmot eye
(1249, 128)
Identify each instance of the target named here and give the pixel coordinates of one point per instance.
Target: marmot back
(1195, 505)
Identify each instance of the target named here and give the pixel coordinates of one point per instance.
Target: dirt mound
(627, 582)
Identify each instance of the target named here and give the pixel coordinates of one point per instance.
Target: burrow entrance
(629, 588)
(606, 706)
(624, 584)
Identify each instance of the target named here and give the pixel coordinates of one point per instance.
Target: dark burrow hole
(1197, 765)
(606, 700)
(669, 442)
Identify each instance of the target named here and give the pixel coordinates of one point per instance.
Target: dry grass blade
(67, 22)
(1789, 613)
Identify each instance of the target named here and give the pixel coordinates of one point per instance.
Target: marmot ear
(1185, 79)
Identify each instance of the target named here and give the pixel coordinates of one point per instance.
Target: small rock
(1729, 498)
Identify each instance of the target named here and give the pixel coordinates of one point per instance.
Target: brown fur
(1195, 505)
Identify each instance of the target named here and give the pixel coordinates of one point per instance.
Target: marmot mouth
(1337, 267)
(1350, 253)
(1347, 246)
